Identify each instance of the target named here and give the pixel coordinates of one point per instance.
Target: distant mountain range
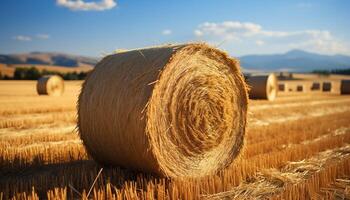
(295, 61)
(43, 58)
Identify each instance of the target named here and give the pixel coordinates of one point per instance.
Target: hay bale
(282, 87)
(51, 85)
(326, 86)
(300, 88)
(176, 110)
(315, 86)
(345, 87)
(262, 86)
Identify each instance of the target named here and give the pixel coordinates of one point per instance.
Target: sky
(95, 28)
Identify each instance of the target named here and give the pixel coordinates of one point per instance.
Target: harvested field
(296, 146)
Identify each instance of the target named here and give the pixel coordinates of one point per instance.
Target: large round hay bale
(51, 85)
(262, 86)
(175, 110)
(345, 87)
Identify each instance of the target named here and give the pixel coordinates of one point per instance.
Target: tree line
(333, 71)
(32, 73)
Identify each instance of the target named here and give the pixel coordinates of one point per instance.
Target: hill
(295, 60)
(43, 58)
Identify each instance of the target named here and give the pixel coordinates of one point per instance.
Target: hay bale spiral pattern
(176, 110)
(51, 85)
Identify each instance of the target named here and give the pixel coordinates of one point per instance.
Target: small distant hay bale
(175, 110)
(52, 85)
(326, 86)
(282, 87)
(300, 88)
(315, 86)
(262, 86)
(345, 87)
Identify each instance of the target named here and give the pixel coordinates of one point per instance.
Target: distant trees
(322, 72)
(32, 73)
(341, 71)
(333, 71)
(22, 73)
(68, 75)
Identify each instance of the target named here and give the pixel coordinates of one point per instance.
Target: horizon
(95, 28)
(97, 57)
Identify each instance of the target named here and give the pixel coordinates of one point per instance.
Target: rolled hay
(315, 86)
(300, 88)
(345, 87)
(282, 87)
(52, 85)
(262, 86)
(175, 110)
(326, 86)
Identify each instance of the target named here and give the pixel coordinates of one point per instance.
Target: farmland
(295, 147)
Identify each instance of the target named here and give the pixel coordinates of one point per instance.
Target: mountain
(43, 58)
(295, 60)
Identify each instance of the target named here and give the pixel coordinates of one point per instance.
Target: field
(297, 147)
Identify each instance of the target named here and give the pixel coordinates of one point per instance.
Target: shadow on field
(78, 175)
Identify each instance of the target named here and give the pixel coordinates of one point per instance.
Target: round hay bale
(315, 86)
(262, 86)
(345, 87)
(300, 88)
(175, 111)
(326, 86)
(282, 87)
(52, 85)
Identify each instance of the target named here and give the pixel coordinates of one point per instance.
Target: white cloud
(43, 36)
(22, 38)
(304, 5)
(321, 41)
(166, 32)
(198, 33)
(86, 6)
(228, 30)
(259, 42)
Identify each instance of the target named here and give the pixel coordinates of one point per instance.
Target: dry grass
(273, 182)
(303, 156)
(338, 189)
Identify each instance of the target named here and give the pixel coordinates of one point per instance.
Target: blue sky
(94, 28)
